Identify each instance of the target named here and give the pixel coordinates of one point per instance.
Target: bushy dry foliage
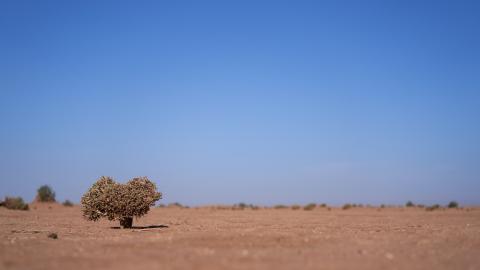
(14, 203)
(175, 205)
(67, 203)
(433, 207)
(309, 206)
(346, 206)
(452, 204)
(115, 201)
(409, 204)
(45, 194)
(296, 207)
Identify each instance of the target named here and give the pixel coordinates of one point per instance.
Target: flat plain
(212, 238)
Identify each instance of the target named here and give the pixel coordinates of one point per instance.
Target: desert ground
(209, 238)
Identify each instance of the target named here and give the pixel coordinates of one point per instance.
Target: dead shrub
(45, 194)
(114, 201)
(433, 207)
(67, 203)
(15, 203)
(295, 207)
(309, 206)
(452, 204)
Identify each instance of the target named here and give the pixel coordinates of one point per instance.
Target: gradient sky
(261, 102)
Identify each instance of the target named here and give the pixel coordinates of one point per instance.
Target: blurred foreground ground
(207, 238)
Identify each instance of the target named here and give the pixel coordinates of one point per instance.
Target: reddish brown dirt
(366, 238)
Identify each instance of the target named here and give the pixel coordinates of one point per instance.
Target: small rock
(53, 235)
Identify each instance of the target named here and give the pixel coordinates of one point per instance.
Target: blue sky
(243, 101)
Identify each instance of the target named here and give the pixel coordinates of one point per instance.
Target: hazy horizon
(263, 102)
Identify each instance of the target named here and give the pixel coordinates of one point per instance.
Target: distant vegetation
(433, 207)
(409, 204)
(346, 206)
(309, 206)
(45, 194)
(67, 203)
(296, 207)
(242, 206)
(177, 204)
(452, 204)
(14, 203)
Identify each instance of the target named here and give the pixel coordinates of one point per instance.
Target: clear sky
(261, 102)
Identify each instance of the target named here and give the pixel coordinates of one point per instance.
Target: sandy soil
(173, 238)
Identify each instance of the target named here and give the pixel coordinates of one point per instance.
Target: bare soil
(209, 238)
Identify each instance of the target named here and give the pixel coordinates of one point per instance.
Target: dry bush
(175, 205)
(239, 206)
(280, 206)
(15, 203)
(323, 205)
(309, 206)
(296, 207)
(452, 204)
(433, 207)
(346, 206)
(114, 201)
(45, 194)
(67, 203)
(409, 204)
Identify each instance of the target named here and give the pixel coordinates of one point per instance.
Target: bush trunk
(126, 222)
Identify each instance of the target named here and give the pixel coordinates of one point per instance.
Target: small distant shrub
(346, 206)
(67, 203)
(241, 206)
(15, 203)
(280, 206)
(409, 204)
(114, 201)
(45, 194)
(254, 207)
(433, 207)
(175, 204)
(295, 207)
(53, 235)
(453, 204)
(309, 206)
(383, 206)
(323, 205)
